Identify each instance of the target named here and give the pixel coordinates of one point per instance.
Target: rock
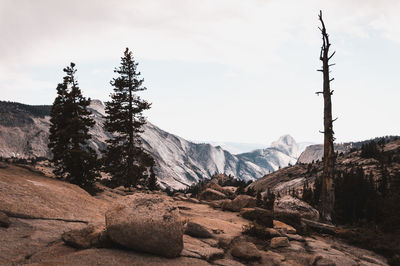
(229, 190)
(259, 215)
(227, 262)
(320, 261)
(146, 222)
(280, 225)
(278, 242)
(197, 230)
(295, 237)
(272, 232)
(246, 251)
(4, 221)
(240, 202)
(211, 194)
(91, 236)
(291, 204)
(320, 227)
(195, 248)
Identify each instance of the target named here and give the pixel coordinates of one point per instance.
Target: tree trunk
(327, 197)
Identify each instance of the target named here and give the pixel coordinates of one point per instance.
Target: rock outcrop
(146, 222)
(289, 204)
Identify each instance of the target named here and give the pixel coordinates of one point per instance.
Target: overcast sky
(220, 70)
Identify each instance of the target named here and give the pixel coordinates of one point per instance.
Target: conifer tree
(125, 159)
(70, 122)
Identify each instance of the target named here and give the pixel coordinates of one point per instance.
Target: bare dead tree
(327, 196)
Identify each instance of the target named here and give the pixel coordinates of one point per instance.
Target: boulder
(212, 194)
(146, 222)
(291, 204)
(197, 230)
(278, 242)
(246, 251)
(4, 220)
(286, 228)
(259, 215)
(90, 236)
(240, 202)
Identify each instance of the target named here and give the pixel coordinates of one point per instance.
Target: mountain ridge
(179, 163)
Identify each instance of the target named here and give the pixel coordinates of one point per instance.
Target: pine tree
(125, 159)
(70, 122)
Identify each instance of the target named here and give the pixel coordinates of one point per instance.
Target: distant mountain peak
(287, 145)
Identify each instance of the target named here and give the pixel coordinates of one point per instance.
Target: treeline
(124, 161)
(361, 198)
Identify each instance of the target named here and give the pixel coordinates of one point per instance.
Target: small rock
(211, 194)
(259, 215)
(272, 232)
(295, 237)
(320, 261)
(240, 202)
(91, 236)
(197, 230)
(280, 225)
(4, 220)
(279, 242)
(246, 251)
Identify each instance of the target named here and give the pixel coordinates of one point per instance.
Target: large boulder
(146, 222)
(240, 202)
(289, 204)
(212, 194)
(261, 216)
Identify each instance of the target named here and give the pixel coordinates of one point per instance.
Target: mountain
(282, 152)
(179, 163)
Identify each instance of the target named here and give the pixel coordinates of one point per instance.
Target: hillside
(294, 177)
(179, 163)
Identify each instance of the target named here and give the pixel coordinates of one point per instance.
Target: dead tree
(327, 196)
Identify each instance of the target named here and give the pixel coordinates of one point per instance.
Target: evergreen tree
(125, 159)
(70, 122)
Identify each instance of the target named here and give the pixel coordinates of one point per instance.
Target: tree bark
(327, 197)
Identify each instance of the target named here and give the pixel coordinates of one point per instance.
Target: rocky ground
(48, 222)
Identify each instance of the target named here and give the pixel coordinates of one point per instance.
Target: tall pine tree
(125, 159)
(70, 122)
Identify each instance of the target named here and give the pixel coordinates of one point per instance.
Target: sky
(215, 70)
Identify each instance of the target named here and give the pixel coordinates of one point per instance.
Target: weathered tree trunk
(327, 197)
